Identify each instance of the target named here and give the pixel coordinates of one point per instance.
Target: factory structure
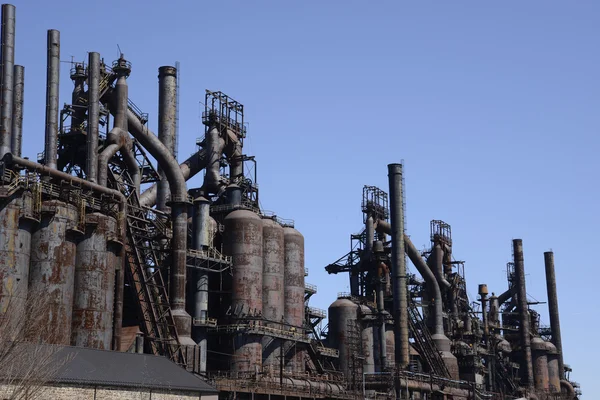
(131, 259)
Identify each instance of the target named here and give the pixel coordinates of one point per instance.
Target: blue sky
(492, 106)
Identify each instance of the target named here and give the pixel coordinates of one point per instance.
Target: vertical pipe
(201, 240)
(398, 265)
(6, 89)
(52, 83)
(523, 312)
(17, 119)
(93, 115)
(119, 295)
(167, 113)
(553, 309)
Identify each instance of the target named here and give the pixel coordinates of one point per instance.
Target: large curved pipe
(179, 202)
(6, 88)
(504, 297)
(214, 147)
(431, 281)
(189, 168)
(438, 267)
(234, 153)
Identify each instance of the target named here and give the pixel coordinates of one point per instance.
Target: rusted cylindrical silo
(273, 293)
(341, 313)
(368, 322)
(553, 368)
(52, 268)
(15, 246)
(97, 255)
(294, 289)
(244, 242)
(540, 363)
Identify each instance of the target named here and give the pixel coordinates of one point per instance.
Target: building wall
(68, 392)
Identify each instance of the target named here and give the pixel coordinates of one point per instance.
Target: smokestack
(399, 287)
(6, 89)
(201, 240)
(167, 114)
(17, 120)
(52, 82)
(553, 309)
(93, 115)
(523, 312)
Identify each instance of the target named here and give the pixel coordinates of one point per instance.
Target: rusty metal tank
(243, 240)
(540, 363)
(294, 290)
(94, 283)
(52, 268)
(553, 368)
(368, 321)
(273, 293)
(341, 312)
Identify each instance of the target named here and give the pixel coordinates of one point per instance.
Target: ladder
(424, 343)
(144, 232)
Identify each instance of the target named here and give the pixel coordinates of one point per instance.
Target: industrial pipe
(167, 115)
(93, 116)
(431, 282)
(214, 147)
(17, 119)
(438, 265)
(118, 138)
(504, 297)
(118, 302)
(7, 86)
(523, 312)
(234, 154)
(201, 240)
(52, 90)
(78, 113)
(553, 309)
(399, 286)
(189, 168)
(179, 201)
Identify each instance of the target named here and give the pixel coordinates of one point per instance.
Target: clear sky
(492, 105)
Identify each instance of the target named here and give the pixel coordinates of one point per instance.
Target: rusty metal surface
(553, 307)
(52, 92)
(294, 288)
(52, 268)
(15, 243)
(93, 115)
(340, 313)
(94, 284)
(273, 289)
(244, 242)
(540, 364)
(523, 312)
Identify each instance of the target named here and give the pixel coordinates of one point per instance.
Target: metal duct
(17, 119)
(167, 115)
(504, 297)
(52, 90)
(118, 138)
(553, 309)
(93, 116)
(201, 240)
(438, 265)
(179, 202)
(214, 146)
(523, 312)
(189, 168)
(6, 89)
(399, 287)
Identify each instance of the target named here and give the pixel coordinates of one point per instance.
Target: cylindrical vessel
(273, 292)
(15, 249)
(244, 242)
(167, 114)
(52, 92)
(553, 369)
(94, 284)
(341, 312)
(528, 378)
(293, 290)
(52, 268)
(553, 307)
(540, 363)
(17, 120)
(368, 338)
(6, 89)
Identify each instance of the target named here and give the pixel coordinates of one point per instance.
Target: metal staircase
(424, 343)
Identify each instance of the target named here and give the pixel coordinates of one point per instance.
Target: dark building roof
(111, 368)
